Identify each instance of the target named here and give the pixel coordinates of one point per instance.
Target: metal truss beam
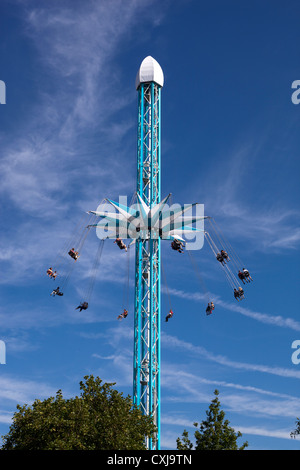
(146, 380)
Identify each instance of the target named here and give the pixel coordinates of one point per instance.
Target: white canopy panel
(149, 71)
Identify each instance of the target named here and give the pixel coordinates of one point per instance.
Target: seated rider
(177, 245)
(241, 293)
(247, 274)
(242, 276)
(210, 307)
(236, 294)
(56, 292)
(225, 255)
(120, 244)
(74, 254)
(49, 272)
(170, 315)
(82, 306)
(123, 315)
(220, 258)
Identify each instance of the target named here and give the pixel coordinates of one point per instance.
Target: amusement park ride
(145, 224)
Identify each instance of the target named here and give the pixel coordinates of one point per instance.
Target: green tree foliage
(296, 432)
(99, 419)
(214, 433)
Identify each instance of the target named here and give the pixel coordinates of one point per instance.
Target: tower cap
(149, 71)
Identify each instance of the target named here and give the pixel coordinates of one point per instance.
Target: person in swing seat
(74, 254)
(210, 307)
(56, 292)
(236, 294)
(220, 259)
(170, 315)
(241, 293)
(242, 276)
(224, 255)
(120, 244)
(82, 306)
(177, 245)
(123, 315)
(247, 275)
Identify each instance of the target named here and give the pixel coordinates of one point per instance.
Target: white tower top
(149, 71)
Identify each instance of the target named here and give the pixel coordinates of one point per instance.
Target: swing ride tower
(146, 225)
(146, 366)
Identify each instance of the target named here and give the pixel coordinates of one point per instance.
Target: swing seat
(74, 254)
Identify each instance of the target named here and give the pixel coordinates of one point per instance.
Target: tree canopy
(214, 433)
(99, 419)
(296, 431)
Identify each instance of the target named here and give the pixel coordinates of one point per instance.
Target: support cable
(165, 281)
(233, 255)
(197, 272)
(93, 271)
(228, 273)
(126, 281)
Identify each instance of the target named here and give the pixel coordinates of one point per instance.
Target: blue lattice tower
(146, 376)
(146, 225)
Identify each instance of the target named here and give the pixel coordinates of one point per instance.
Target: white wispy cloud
(264, 432)
(275, 320)
(23, 391)
(266, 224)
(238, 401)
(53, 150)
(68, 152)
(173, 342)
(5, 417)
(169, 439)
(172, 374)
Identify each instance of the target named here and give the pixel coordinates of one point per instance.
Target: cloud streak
(175, 343)
(270, 226)
(275, 320)
(70, 126)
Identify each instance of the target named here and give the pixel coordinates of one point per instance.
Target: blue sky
(230, 140)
